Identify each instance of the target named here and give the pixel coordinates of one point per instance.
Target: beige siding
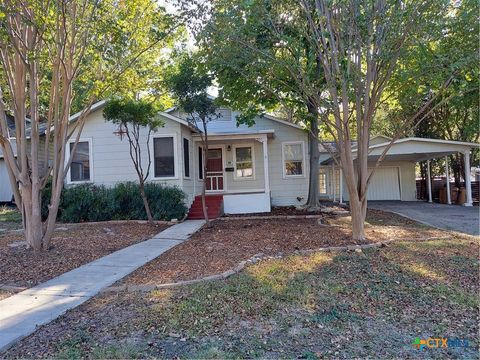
(257, 183)
(284, 191)
(111, 159)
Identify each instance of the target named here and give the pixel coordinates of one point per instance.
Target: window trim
(197, 156)
(234, 149)
(302, 175)
(90, 160)
(189, 157)
(322, 171)
(175, 156)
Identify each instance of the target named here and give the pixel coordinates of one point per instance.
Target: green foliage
(448, 50)
(130, 112)
(88, 202)
(188, 85)
(264, 63)
(124, 52)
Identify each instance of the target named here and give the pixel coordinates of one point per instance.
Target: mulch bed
(80, 244)
(291, 211)
(223, 245)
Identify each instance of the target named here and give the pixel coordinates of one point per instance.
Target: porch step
(214, 205)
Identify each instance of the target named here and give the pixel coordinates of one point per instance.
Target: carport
(394, 179)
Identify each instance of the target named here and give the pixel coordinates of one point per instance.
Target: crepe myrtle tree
(188, 85)
(51, 54)
(359, 45)
(132, 116)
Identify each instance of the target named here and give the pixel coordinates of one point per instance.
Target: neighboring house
(6, 193)
(394, 179)
(251, 167)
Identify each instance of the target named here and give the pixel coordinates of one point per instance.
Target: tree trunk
(357, 202)
(145, 203)
(313, 200)
(32, 220)
(358, 211)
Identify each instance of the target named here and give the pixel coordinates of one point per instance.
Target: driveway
(449, 217)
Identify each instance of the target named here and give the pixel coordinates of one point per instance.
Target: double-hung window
(164, 157)
(293, 155)
(81, 166)
(244, 168)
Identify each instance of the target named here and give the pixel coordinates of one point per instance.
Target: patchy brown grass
(71, 248)
(325, 305)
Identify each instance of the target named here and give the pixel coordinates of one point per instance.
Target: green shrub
(127, 202)
(165, 202)
(88, 202)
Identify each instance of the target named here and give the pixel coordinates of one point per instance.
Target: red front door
(214, 170)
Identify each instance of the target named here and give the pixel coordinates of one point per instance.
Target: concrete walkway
(459, 218)
(20, 314)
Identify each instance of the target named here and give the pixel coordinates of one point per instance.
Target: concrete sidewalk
(20, 314)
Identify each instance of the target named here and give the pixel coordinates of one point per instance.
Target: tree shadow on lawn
(343, 304)
(339, 304)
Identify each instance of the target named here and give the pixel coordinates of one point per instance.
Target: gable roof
(101, 104)
(265, 115)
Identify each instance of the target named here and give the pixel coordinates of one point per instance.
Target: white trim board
(285, 176)
(234, 159)
(90, 160)
(176, 163)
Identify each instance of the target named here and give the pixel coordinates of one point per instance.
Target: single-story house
(249, 169)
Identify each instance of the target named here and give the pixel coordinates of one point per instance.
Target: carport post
(429, 182)
(447, 175)
(468, 184)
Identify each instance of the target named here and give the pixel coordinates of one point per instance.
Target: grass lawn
(9, 214)
(329, 304)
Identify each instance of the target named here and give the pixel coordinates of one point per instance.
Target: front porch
(237, 169)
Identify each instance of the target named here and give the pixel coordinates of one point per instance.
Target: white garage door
(385, 184)
(5, 188)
